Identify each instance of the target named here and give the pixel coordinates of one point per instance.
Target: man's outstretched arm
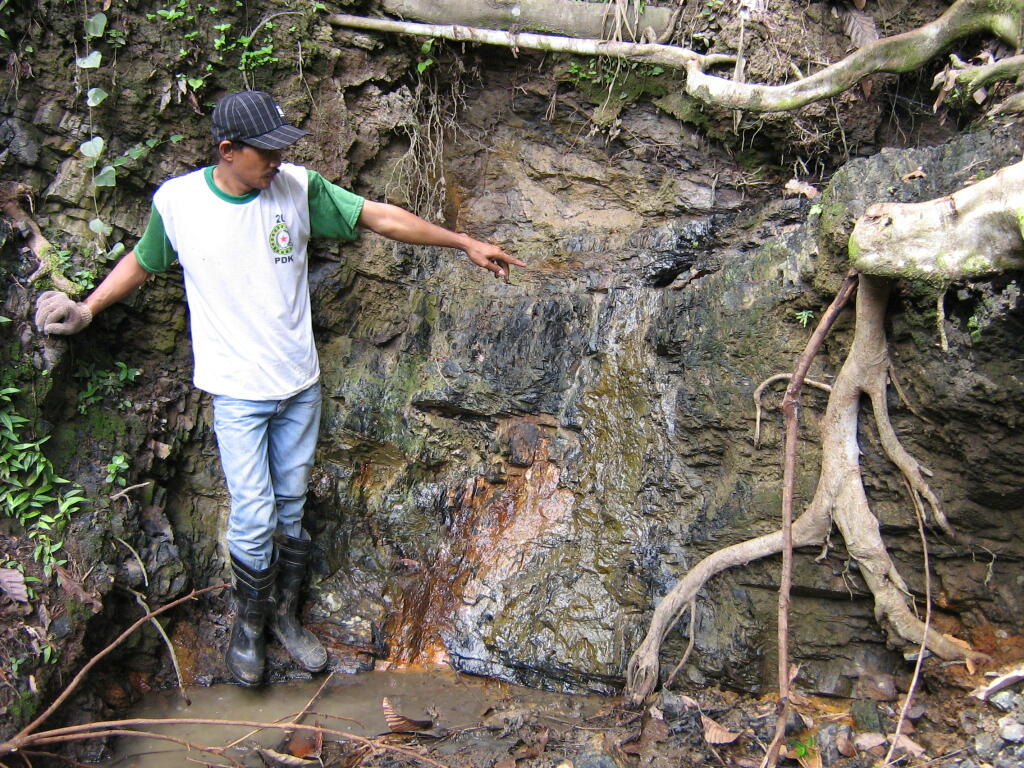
(58, 313)
(399, 224)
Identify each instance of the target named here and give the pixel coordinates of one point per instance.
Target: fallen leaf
(536, 749)
(715, 733)
(1003, 680)
(917, 173)
(689, 703)
(909, 746)
(282, 759)
(306, 744)
(845, 744)
(859, 27)
(399, 723)
(866, 741)
(13, 583)
(653, 730)
(797, 187)
(980, 95)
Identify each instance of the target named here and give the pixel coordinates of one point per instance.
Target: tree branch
(651, 53)
(553, 17)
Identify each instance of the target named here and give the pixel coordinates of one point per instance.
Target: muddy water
(350, 703)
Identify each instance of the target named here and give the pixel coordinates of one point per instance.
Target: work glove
(57, 313)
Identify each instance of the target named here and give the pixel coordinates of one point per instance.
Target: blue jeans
(266, 450)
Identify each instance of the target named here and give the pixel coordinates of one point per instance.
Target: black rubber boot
(247, 648)
(301, 644)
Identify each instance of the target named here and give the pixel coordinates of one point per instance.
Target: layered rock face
(510, 474)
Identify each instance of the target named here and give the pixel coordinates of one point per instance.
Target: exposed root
(969, 233)
(839, 498)
(899, 53)
(14, 197)
(760, 391)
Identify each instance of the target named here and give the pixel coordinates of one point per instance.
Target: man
(240, 230)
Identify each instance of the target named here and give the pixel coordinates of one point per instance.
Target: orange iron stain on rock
(493, 531)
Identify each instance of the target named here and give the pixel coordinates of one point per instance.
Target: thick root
(973, 232)
(839, 496)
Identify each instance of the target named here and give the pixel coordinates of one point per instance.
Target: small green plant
(974, 328)
(117, 470)
(798, 748)
(28, 486)
(24, 706)
(425, 49)
(100, 384)
(804, 316)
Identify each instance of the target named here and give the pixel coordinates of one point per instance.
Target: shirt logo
(281, 240)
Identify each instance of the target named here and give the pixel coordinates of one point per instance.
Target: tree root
(839, 498)
(899, 53)
(14, 196)
(969, 233)
(760, 391)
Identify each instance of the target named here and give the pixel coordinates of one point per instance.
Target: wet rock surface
(511, 474)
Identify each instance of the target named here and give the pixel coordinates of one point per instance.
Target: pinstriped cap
(255, 118)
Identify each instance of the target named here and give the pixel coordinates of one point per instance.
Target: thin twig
(940, 321)
(21, 736)
(791, 410)
(130, 548)
(919, 514)
(124, 491)
(107, 728)
(760, 391)
(170, 647)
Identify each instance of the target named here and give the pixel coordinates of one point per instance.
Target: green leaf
(195, 83)
(106, 178)
(427, 45)
(92, 61)
(95, 97)
(176, 138)
(116, 251)
(136, 152)
(423, 65)
(100, 227)
(93, 147)
(95, 25)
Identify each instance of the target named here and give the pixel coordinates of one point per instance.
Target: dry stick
(297, 717)
(142, 566)
(21, 736)
(124, 491)
(170, 647)
(791, 410)
(919, 514)
(118, 728)
(760, 391)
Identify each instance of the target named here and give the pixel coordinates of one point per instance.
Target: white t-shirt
(245, 266)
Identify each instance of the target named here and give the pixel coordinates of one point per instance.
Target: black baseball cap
(254, 118)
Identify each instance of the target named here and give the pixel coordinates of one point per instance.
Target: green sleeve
(154, 251)
(333, 211)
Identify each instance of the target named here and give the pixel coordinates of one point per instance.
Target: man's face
(251, 168)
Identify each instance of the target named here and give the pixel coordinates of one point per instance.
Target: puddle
(350, 703)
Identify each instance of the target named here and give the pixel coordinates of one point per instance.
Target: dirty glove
(57, 313)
